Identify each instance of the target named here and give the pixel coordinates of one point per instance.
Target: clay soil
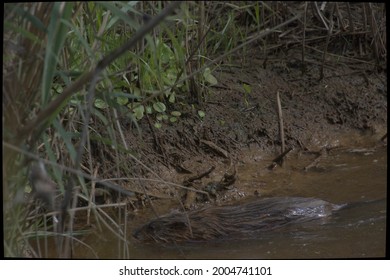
(241, 125)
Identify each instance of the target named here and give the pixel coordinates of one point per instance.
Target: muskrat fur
(229, 221)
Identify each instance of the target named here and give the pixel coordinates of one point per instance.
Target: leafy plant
(247, 91)
(201, 114)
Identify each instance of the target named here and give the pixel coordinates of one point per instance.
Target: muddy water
(357, 177)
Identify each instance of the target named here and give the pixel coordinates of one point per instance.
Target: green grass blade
(57, 33)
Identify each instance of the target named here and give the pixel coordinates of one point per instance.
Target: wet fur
(245, 219)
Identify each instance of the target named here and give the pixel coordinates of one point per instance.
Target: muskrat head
(165, 229)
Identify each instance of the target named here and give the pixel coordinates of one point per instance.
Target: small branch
(278, 160)
(215, 148)
(314, 162)
(281, 128)
(304, 40)
(318, 13)
(200, 176)
(330, 30)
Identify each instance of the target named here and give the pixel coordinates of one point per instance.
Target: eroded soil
(241, 126)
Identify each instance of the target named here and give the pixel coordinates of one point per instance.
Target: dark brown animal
(231, 221)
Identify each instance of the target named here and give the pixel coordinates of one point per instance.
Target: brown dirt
(240, 128)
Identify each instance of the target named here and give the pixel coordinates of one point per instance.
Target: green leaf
(121, 100)
(148, 110)
(159, 107)
(136, 91)
(170, 76)
(120, 14)
(30, 17)
(173, 119)
(100, 104)
(201, 114)
(157, 125)
(159, 117)
(58, 88)
(176, 113)
(247, 88)
(57, 31)
(125, 95)
(139, 112)
(172, 98)
(98, 114)
(209, 77)
(167, 92)
(166, 54)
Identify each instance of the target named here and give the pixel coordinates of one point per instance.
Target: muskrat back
(224, 221)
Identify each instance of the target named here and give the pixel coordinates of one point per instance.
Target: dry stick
(319, 15)
(148, 197)
(281, 128)
(279, 158)
(375, 33)
(327, 43)
(304, 40)
(351, 25)
(120, 129)
(364, 16)
(126, 253)
(340, 18)
(91, 196)
(199, 176)
(313, 163)
(69, 245)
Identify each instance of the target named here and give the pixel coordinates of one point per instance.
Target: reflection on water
(357, 231)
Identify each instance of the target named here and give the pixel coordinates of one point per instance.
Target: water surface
(356, 177)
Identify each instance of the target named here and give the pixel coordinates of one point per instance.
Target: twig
(330, 30)
(278, 159)
(319, 15)
(351, 25)
(200, 176)
(304, 40)
(214, 147)
(314, 162)
(281, 128)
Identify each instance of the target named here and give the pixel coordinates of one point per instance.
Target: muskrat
(228, 221)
